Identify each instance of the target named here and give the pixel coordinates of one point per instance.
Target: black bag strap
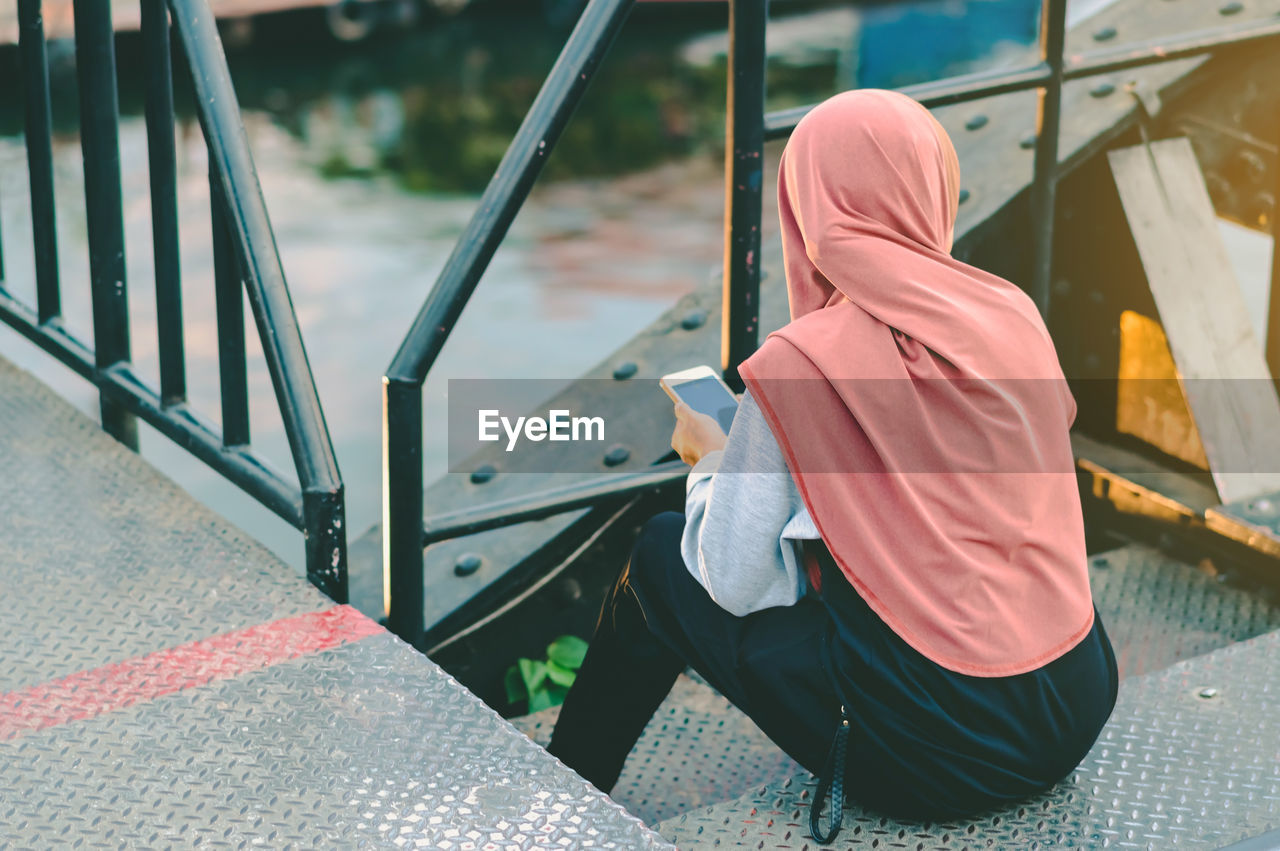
(832, 780)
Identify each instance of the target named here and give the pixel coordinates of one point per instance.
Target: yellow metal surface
(1150, 403)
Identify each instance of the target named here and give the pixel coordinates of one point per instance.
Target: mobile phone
(702, 389)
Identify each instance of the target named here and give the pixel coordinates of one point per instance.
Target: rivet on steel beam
(1027, 142)
(1230, 9)
(617, 454)
(1102, 90)
(483, 473)
(624, 370)
(1208, 693)
(976, 123)
(964, 195)
(694, 320)
(571, 590)
(1262, 506)
(1101, 563)
(467, 564)
(1105, 34)
(1264, 208)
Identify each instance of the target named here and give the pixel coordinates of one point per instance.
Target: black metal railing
(747, 127)
(245, 258)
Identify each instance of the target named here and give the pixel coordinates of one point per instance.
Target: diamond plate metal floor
(1172, 767)
(111, 572)
(1159, 611)
(699, 749)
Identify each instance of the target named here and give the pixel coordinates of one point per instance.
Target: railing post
(38, 129)
(228, 285)
(402, 510)
(100, 147)
(744, 179)
(162, 161)
(1053, 28)
(323, 526)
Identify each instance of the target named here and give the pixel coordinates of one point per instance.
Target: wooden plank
(1220, 363)
(1138, 485)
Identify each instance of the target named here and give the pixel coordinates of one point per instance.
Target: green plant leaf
(567, 651)
(515, 685)
(556, 693)
(559, 675)
(539, 700)
(533, 673)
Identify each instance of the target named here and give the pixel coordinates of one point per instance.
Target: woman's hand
(695, 434)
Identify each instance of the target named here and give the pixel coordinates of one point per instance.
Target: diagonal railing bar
(259, 264)
(551, 110)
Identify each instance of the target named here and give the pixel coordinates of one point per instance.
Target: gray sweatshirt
(745, 519)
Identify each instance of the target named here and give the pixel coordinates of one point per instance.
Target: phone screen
(708, 396)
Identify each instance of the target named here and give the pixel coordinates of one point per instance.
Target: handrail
(1121, 57)
(263, 278)
(246, 258)
(405, 532)
(546, 119)
(550, 502)
(586, 46)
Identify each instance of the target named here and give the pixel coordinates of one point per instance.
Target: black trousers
(925, 741)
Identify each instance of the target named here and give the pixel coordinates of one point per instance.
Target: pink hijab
(919, 401)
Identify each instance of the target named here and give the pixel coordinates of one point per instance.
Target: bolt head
(977, 122)
(483, 473)
(467, 564)
(624, 370)
(1105, 34)
(616, 454)
(1102, 90)
(1207, 693)
(694, 320)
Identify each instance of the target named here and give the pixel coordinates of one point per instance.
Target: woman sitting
(883, 562)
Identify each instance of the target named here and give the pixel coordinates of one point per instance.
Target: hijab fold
(919, 401)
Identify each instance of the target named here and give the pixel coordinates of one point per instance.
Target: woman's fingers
(695, 434)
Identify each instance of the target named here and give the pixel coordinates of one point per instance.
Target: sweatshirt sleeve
(744, 519)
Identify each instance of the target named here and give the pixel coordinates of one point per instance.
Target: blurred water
(371, 157)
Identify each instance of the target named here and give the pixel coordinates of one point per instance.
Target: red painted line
(87, 694)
